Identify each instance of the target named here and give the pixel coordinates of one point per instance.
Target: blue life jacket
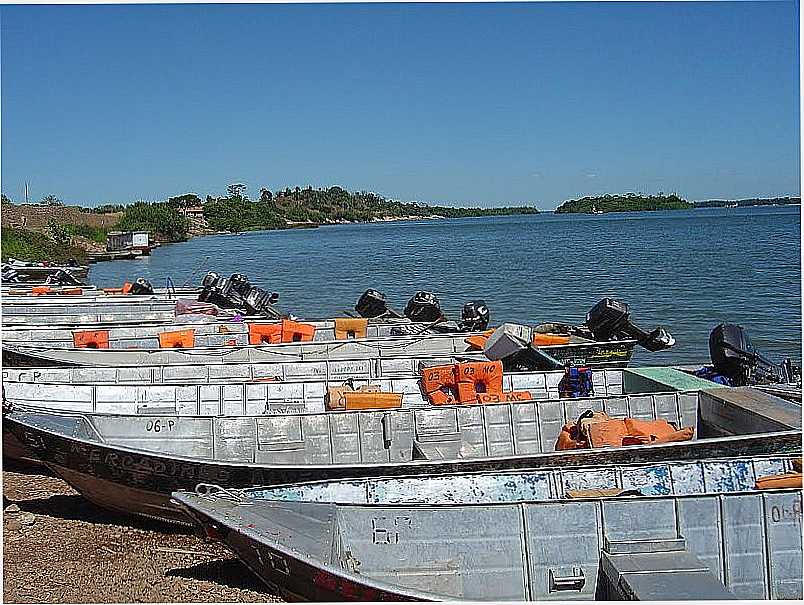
(710, 374)
(577, 382)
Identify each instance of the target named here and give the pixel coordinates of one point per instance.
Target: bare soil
(60, 548)
(36, 217)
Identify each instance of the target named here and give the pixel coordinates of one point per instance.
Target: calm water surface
(687, 270)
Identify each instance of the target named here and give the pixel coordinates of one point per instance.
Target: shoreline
(90, 247)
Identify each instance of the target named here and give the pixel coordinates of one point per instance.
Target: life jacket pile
(469, 382)
(596, 430)
(577, 382)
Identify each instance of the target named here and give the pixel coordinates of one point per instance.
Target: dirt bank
(36, 216)
(59, 548)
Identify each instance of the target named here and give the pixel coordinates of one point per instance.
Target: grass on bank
(96, 234)
(26, 245)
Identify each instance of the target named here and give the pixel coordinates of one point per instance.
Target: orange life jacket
(477, 377)
(91, 339)
(544, 340)
(293, 331)
(598, 430)
(779, 481)
(504, 397)
(264, 333)
(178, 339)
(478, 341)
(439, 384)
(349, 327)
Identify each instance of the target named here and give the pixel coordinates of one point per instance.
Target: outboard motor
(142, 286)
(260, 302)
(240, 284)
(371, 304)
(733, 355)
(10, 275)
(610, 320)
(236, 292)
(210, 280)
(221, 293)
(63, 278)
(475, 316)
(423, 307)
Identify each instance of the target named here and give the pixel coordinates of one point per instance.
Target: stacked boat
(401, 456)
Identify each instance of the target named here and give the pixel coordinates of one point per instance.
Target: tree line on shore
(285, 208)
(628, 202)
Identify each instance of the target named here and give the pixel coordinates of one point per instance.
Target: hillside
(629, 202)
(38, 216)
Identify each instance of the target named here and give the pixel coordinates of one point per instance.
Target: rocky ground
(59, 548)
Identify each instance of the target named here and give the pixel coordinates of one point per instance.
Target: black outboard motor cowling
(63, 278)
(210, 279)
(734, 355)
(10, 275)
(222, 294)
(475, 316)
(610, 320)
(260, 302)
(240, 284)
(142, 286)
(424, 307)
(371, 304)
(237, 293)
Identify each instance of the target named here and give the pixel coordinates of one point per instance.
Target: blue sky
(482, 104)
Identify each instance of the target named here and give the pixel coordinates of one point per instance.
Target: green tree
(236, 190)
(160, 218)
(185, 200)
(51, 200)
(58, 232)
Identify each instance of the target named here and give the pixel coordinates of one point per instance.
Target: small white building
(128, 240)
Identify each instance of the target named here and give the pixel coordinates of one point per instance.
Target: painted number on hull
(781, 514)
(386, 531)
(158, 425)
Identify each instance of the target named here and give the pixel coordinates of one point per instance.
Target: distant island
(628, 202)
(50, 230)
(752, 201)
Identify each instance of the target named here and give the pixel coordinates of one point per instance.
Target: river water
(686, 270)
